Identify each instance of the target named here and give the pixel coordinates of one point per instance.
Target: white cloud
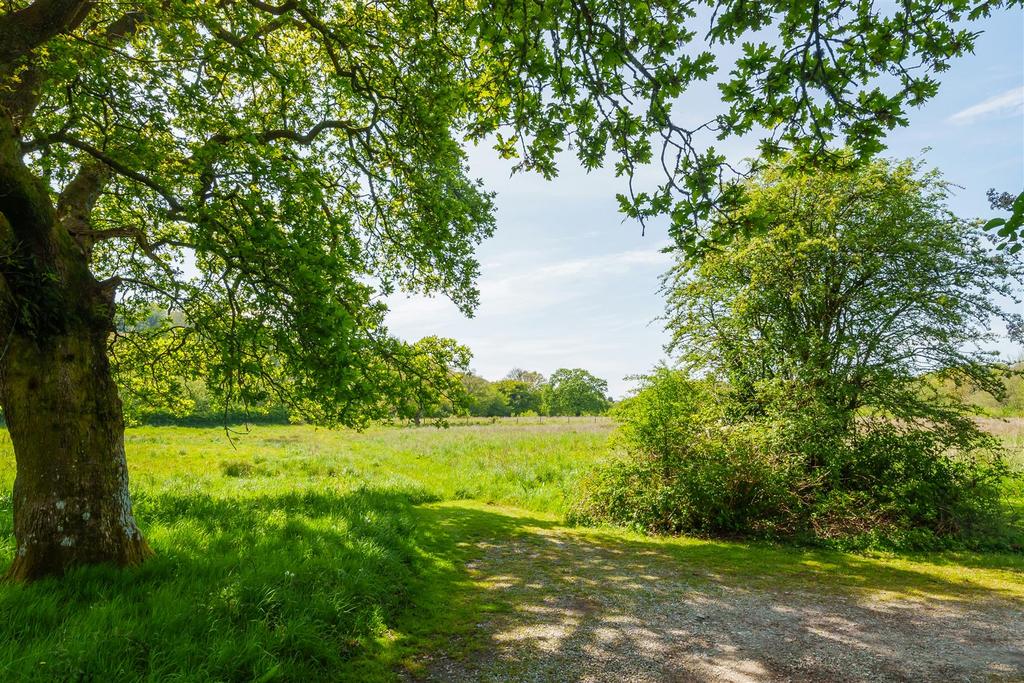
(1003, 105)
(553, 284)
(542, 287)
(592, 312)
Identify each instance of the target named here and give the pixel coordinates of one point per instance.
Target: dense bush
(691, 468)
(823, 328)
(913, 488)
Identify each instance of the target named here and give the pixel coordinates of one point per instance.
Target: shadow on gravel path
(592, 605)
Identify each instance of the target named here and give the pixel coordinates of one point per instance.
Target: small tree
(534, 380)
(575, 392)
(816, 331)
(843, 288)
(433, 377)
(483, 398)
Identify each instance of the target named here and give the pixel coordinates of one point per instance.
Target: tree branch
(306, 138)
(120, 168)
(77, 199)
(26, 29)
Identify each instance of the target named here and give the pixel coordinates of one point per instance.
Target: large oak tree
(269, 170)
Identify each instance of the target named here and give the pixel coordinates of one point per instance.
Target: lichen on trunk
(71, 503)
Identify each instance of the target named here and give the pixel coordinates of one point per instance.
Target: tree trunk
(71, 504)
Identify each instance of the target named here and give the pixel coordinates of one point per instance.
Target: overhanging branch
(120, 169)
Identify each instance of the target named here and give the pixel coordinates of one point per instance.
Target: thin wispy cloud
(1003, 105)
(532, 289)
(541, 313)
(607, 263)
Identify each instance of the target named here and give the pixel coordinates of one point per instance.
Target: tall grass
(280, 556)
(527, 465)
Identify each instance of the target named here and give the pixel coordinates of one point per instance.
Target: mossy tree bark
(71, 503)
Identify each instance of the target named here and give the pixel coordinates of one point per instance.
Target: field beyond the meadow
(296, 554)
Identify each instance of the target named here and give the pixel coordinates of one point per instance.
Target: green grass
(305, 555)
(291, 554)
(530, 466)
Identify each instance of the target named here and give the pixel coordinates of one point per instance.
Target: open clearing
(422, 554)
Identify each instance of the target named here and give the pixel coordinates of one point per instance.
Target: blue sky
(566, 282)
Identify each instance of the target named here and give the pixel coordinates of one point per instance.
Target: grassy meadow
(297, 554)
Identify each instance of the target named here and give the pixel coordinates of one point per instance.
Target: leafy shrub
(915, 488)
(686, 473)
(690, 468)
(719, 485)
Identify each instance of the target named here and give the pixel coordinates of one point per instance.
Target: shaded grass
(312, 555)
(289, 585)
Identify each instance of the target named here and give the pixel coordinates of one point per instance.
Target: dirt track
(580, 608)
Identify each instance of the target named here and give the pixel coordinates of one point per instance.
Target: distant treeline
(569, 391)
(519, 393)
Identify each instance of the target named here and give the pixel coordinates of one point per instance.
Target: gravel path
(582, 609)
